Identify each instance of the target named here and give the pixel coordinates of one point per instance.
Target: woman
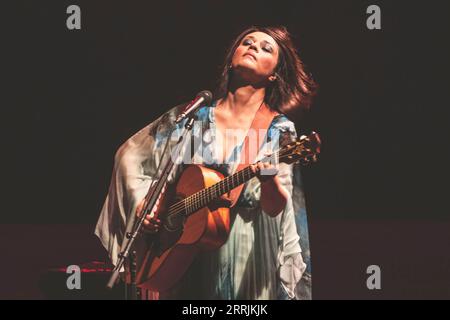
(262, 72)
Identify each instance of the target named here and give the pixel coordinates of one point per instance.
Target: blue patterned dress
(253, 263)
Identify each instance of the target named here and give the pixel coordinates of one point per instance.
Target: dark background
(377, 195)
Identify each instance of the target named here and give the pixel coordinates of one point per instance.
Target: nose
(254, 47)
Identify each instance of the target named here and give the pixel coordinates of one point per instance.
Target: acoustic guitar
(190, 224)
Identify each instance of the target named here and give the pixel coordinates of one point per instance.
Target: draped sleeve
(135, 169)
(294, 246)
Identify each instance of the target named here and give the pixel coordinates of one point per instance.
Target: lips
(251, 55)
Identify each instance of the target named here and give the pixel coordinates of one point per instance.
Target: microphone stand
(152, 196)
(131, 292)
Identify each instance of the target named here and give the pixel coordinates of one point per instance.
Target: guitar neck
(203, 197)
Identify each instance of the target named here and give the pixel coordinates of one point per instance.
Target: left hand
(264, 171)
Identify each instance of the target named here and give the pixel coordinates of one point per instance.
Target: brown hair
(293, 89)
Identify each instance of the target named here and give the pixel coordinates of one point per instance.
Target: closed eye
(267, 47)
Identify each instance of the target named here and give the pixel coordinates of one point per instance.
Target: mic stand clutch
(152, 197)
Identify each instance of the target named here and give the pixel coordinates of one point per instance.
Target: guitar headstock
(304, 150)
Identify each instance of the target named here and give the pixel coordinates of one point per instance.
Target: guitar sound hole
(174, 222)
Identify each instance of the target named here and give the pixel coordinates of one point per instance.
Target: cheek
(267, 64)
(238, 52)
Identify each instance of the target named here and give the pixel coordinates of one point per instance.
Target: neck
(244, 98)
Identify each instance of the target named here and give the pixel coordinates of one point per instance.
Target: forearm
(273, 197)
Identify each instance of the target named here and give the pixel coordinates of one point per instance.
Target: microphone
(204, 97)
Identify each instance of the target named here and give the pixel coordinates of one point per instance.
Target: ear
(272, 78)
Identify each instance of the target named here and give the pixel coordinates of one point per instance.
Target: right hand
(152, 223)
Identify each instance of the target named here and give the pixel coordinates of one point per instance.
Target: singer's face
(256, 57)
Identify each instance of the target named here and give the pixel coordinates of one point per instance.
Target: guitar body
(206, 229)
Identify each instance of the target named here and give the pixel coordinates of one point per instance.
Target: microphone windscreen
(207, 96)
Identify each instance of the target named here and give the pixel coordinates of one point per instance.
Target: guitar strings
(215, 190)
(196, 200)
